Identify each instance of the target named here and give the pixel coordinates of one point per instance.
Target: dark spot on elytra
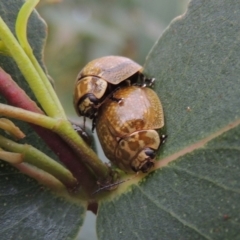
(124, 155)
(147, 140)
(125, 129)
(133, 145)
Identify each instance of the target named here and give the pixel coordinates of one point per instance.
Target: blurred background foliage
(82, 30)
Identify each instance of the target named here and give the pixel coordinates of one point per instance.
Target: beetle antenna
(114, 184)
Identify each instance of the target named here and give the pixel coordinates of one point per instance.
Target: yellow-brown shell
(125, 128)
(140, 109)
(113, 69)
(86, 85)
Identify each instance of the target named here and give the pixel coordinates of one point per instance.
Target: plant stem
(3, 49)
(42, 177)
(30, 73)
(12, 129)
(88, 156)
(17, 97)
(21, 24)
(35, 157)
(28, 116)
(21, 32)
(65, 130)
(10, 157)
(60, 126)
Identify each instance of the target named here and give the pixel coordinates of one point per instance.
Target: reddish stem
(15, 96)
(93, 207)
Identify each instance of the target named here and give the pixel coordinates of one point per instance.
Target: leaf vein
(190, 226)
(206, 179)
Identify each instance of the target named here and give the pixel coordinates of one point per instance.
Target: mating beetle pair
(111, 90)
(100, 78)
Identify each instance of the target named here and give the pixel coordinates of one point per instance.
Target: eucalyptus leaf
(194, 192)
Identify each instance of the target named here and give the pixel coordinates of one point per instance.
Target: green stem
(65, 130)
(21, 32)
(10, 157)
(88, 156)
(42, 177)
(21, 24)
(39, 159)
(3, 49)
(29, 72)
(11, 128)
(28, 116)
(44, 93)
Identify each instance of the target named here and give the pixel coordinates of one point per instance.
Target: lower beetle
(127, 130)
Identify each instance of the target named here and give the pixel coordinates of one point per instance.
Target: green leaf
(29, 211)
(194, 191)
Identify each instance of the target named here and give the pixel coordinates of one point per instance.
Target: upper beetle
(100, 78)
(128, 132)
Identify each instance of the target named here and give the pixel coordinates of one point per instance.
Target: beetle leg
(144, 81)
(163, 139)
(111, 95)
(118, 100)
(114, 185)
(94, 123)
(82, 133)
(84, 122)
(150, 81)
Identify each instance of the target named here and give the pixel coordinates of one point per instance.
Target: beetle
(100, 78)
(128, 131)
